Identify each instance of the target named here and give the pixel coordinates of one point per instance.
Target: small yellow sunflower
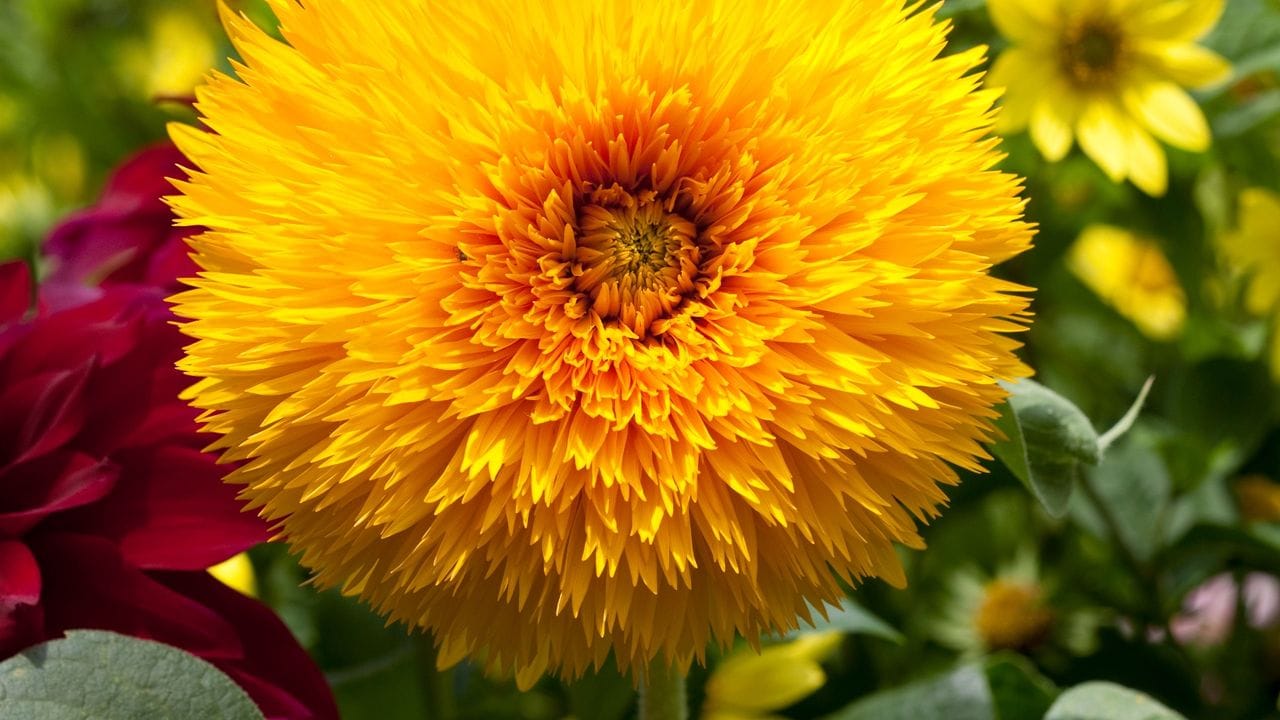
(1259, 498)
(1131, 275)
(1254, 249)
(1110, 74)
(563, 328)
(1005, 611)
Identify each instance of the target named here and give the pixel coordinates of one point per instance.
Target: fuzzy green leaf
(95, 675)
(1108, 701)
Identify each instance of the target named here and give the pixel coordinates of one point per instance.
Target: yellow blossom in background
(1254, 249)
(176, 52)
(1132, 275)
(1004, 611)
(1259, 498)
(1109, 74)
(575, 328)
(749, 685)
(26, 208)
(237, 572)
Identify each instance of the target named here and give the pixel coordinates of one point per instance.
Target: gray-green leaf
(1108, 701)
(850, 618)
(1048, 438)
(95, 675)
(959, 695)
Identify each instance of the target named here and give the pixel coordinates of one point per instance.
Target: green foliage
(1108, 701)
(104, 676)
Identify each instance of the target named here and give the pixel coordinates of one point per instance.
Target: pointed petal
(1017, 70)
(1184, 20)
(1186, 64)
(1027, 21)
(1051, 122)
(1148, 168)
(1169, 112)
(1103, 137)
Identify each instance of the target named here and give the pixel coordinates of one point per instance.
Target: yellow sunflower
(1130, 273)
(566, 327)
(1254, 249)
(1110, 74)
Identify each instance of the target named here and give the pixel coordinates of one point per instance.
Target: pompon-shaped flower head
(1110, 74)
(562, 328)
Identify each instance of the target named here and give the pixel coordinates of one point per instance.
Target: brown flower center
(637, 259)
(1092, 53)
(1012, 616)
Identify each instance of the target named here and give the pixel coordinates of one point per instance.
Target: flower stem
(437, 686)
(662, 694)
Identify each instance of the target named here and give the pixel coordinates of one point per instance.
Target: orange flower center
(1091, 54)
(1012, 615)
(637, 261)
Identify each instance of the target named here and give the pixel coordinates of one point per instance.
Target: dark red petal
(15, 291)
(88, 584)
(142, 180)
(40, 413)
(171, 511)
(20, 628)
(33, 491)
(19, 575)
(271, 654)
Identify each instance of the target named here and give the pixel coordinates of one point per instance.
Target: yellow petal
(1148, 168)
(237, 572)
(1027, 21)
(1169, 112)
(759, 683)
(1184, 20)
(1186, 64)
(1017, 71)
(1104, 138)
(1051, 120)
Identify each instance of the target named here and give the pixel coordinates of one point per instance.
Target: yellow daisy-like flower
(1131, 274)
(1259, 498)
(1110, 74)
(1006, 611)
(1254, 248)
(567, 327)
(751, 685)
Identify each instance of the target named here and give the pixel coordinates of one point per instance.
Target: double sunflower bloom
(611, 327)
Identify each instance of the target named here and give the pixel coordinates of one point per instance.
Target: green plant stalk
(437, 686)
(663, 695)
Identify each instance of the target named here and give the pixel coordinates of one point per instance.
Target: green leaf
(1047, 440)
(850, 618)
(959, 695)
(1108, 701)
(1248, 34)
(105, 676)
(1135, 486)
(1018, 690)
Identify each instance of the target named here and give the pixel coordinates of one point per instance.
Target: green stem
(437, 685)
(662, 694)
